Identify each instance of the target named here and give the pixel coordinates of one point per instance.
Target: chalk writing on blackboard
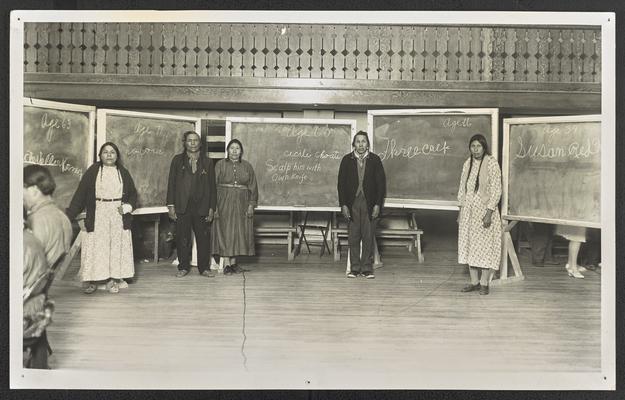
(50, 160)
(296, 162)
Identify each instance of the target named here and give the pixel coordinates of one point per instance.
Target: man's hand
(345, 211)
(376, 212)
(211, 215)
(171, 211)
(250, 211)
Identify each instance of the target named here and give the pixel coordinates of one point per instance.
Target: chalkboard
(552, 170)
(423, 152)
(147, 143)
(59, 136)
(296, 161)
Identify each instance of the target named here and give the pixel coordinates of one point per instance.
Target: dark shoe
(181, 273)
(207, 274)
(368, 275)
(470, 288)
(237, 270)
(228, 270)
(89, 288)
(352, 275)
(483, 290)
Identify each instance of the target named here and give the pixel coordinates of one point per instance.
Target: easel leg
(291, 253)
(377, 262)
(156, 226)
(420, 257)
(508, 250)
(289, 238)
(70, 255)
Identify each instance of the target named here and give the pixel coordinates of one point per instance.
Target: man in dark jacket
(191, 201)
(362, 187)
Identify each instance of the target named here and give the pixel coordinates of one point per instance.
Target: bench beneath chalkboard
(287, 231)
(412, 235)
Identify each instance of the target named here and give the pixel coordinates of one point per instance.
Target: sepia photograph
(312, 200)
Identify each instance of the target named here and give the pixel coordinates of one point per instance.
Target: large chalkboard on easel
(296, 161)
(59, 136)
(552, 170)
(423, 152)
(147, 143)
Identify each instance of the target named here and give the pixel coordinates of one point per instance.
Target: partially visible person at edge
(191, 201)
(479, 230)
(108, 194)
(237, 196)
(361, 188)
(44, 218)
(37, 311)
(576, 235)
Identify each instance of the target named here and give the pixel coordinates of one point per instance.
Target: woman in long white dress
(108, 194)
(479, 230)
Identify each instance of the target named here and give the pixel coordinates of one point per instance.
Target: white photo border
(76, 379)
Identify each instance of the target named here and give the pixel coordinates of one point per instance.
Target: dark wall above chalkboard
(147, 143)
(59, 136)
(423, 152)
(552, 170)
(296, 161)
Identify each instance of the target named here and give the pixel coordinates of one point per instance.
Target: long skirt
(232, 231)
(107, 251)
(478, 246)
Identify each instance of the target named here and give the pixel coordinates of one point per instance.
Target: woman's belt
(106, 200)
(232, 185)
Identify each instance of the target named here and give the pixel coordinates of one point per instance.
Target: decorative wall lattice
(367, 52)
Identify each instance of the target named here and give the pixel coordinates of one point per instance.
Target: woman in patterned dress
(237, 196)
(479, 230)
(108, 194)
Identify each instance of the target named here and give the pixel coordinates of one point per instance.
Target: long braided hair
(482, 140)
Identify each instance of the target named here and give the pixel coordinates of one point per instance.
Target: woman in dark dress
(237, 196)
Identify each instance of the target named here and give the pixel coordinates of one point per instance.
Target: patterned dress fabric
(107, 251)
(232, 231)
(479, 246)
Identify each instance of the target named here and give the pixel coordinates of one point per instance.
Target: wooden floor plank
(307, 315)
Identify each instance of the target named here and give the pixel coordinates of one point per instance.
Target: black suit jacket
(181, 184)
(373, 184)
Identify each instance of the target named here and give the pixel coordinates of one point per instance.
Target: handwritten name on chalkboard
(423, 154)
(60, 140)
(147, 144)
(554, 172)
(51, 160)
(296, 162)
(552, 146)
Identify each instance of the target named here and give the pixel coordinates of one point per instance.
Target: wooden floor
(307, 314)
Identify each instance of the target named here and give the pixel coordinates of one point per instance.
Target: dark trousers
(39, 350)
(540, 237)
(185, 224)
(361, 228)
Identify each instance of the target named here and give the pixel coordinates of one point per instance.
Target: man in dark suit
(191, 201)
(361, 187)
